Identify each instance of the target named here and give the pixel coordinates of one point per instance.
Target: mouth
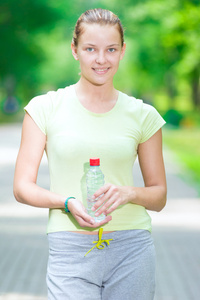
(101, 70)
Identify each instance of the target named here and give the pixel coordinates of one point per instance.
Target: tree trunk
(170, 84)
(195, 83)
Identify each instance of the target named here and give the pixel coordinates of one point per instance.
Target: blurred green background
(161, 65)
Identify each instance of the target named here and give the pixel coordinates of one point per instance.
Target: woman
(93, 119)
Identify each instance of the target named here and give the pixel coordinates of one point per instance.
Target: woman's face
(99, 52)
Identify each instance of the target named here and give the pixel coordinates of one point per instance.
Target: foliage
(167, 46)
(161, 64)
(18, 25)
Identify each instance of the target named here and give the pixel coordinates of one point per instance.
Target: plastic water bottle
(95, 180)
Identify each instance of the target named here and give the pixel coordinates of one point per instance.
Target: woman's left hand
(112, 197)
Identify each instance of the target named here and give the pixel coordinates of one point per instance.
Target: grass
(185, 143)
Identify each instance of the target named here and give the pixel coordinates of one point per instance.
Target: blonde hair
(97, 16)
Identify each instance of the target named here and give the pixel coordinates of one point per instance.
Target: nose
(101, 58)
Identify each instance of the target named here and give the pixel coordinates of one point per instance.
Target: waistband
(105, 239)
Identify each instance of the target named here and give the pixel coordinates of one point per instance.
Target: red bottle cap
(95, 161)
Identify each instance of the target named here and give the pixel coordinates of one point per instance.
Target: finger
(106, 220)
(106, 207)
(101, 191)
(84, 223)
(106, 200)
(84, 219)
(114, 206)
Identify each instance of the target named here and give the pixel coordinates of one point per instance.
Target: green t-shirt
(74, 135)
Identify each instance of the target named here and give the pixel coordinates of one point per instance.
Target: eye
(90, 49)
(111, 50)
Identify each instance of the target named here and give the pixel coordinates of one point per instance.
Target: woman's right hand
(79, 212)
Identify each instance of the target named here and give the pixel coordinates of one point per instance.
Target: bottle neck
(94, 166)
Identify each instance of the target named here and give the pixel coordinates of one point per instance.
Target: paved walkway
(23, 243)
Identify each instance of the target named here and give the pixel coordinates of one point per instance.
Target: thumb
(87, 218)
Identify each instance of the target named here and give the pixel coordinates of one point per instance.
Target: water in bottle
(95, 180)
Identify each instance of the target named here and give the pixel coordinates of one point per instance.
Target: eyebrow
(114, 45)
(92, 45)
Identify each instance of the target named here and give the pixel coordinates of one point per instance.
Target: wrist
(132, 194)
(67, 210)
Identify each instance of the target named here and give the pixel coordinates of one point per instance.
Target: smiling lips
(101, 71)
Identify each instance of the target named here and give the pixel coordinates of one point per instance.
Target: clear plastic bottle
(95, 180)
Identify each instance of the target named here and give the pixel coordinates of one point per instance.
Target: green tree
(165, 46)
(20, 53)
(35, 37)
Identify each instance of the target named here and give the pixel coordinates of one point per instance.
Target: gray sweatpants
(122, 270)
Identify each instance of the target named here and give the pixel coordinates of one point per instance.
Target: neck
(94, 93)
(97, 99)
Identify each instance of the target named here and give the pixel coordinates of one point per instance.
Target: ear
(74, 51)
(123, 51)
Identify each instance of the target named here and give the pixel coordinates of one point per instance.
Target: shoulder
(59, 94)
(41, 107)
(48, 100)
(136, 105)
(130, 100)
(143, 116)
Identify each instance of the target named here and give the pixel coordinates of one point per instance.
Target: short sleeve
(39, 109)
(151, 122)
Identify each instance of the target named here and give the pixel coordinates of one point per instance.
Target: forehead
(100, 33)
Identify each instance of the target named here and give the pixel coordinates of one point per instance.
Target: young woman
(93, 119)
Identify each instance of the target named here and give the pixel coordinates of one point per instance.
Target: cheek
(85, 60)
(115, 60)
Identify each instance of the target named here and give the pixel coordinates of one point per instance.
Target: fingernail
(93, 209)
(92, 221)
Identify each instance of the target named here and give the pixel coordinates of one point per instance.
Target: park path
(23, 242)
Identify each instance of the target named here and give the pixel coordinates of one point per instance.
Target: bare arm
(25, 188)
(153, 195)
(28, 161)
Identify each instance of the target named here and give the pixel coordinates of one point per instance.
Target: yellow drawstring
(99, 242)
